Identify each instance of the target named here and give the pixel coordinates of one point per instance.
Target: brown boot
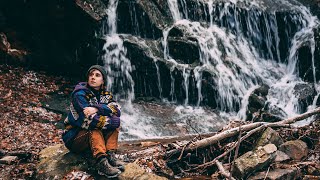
(114, 161)
(105, 169)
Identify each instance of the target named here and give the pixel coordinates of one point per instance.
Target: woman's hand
(89, 110)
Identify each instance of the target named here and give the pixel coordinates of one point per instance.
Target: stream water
(242, 51)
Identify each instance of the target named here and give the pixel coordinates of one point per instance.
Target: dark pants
(98, 141)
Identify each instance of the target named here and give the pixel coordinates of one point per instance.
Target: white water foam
(238, 66)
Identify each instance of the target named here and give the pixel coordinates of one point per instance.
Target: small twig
(182, 151)
(237, 151)
(184, 147)
(189, 124)
(265, 177)
(223, 171)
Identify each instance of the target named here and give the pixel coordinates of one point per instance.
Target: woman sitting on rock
(93, 122)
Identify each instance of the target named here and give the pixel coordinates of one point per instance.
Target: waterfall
(198, 78)
(241, 46)
(159, 79)
(244, 53)
(186, 75)
(118, 66)
(173, 5)
(172, 94)
(302, 37)
(112, 16)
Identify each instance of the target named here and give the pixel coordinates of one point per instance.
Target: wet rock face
(197, 10)
(257, 101)
(305, 92)
(95, 8)
(183, 50)
(140, 18)
(261, 110)
(317, 52)
(150, 67)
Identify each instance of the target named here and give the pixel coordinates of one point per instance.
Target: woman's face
(95, 79)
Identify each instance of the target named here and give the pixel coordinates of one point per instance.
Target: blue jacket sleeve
(79, 102)
(103, 109)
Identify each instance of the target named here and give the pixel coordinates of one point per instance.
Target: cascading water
(173, 5)
(239, 47)
(118, 66)
(247, 55)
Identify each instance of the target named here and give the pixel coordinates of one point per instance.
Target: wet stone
(254, 160)
(296, 149)
(281, 156)
(134, 171)
(277, 174)
(269, 136)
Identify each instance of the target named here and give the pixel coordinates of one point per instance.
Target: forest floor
(25, 126)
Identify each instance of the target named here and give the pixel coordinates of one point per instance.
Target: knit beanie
(101, 69)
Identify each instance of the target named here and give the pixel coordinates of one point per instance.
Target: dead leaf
(8, 95)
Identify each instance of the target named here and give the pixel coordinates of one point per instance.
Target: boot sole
(109, 176)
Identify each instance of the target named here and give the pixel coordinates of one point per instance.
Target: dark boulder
(257, 101)
(270, 113)
(305, 92)
(176, 32)
(185, 50)
(259, 110)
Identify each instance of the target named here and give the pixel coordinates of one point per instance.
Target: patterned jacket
(83, 97)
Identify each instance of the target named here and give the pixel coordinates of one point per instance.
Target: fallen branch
(225, 134)
(224, 172)
(299, 117)
(210, 163)
(237, 151)
(232, 132)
